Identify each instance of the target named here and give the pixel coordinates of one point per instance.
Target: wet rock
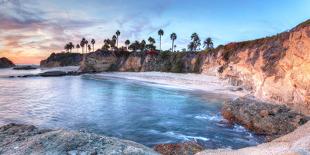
(27, 139)
(263, 118)
(186, 148)
(25, 68)
(53, 74)
(6, 63)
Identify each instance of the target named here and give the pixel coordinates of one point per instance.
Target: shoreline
(260, 146)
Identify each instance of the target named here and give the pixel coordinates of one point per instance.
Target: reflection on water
(120, 108)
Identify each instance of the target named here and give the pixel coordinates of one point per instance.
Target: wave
(216, 117)
(180, 136)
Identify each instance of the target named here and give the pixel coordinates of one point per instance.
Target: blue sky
(31, 29)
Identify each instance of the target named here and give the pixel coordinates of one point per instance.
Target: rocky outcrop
(62, 59)
(6, 63)
(263, 118)
(183, 62)
(274, 68)
(25, 68)
(296, 142)
(186, 148)
(26, 139)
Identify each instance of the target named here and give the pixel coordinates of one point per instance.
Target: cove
(137, 111)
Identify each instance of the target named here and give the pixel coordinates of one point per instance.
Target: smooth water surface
(136, 111)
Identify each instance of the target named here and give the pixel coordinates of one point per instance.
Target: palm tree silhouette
(151, 43)
(195, 41)
(82, 43)
(77, 47)
(89, 48)
(71, 46)
(67, 47)
(127, 42)
(118, 33)
(142, 45)
(208, 43)
(86, 44)
(93, 43)
(173, 37)
(160, 33)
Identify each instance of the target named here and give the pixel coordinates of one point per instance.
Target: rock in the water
(6, 63)
(186, 148)
(53, 74)
(25, 139)
(25, 68)
(263, 118)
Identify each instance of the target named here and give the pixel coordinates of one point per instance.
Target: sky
(30, 30)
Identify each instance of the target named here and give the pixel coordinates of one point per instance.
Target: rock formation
(263, 118)
(62, 59)
(6, 63)
(275, 68)
(296, 142)
(25, 139)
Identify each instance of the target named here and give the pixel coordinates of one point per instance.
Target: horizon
(29, 32)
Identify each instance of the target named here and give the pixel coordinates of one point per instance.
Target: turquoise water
(147, 114)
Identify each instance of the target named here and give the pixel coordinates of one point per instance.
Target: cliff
(62, 59)
(275, 68)
(183, 62)
(6, 63)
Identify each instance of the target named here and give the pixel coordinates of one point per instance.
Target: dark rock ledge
(27, 139)
(50, 74)
(272, 120)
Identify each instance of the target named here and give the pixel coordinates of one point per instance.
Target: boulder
(6, 63)
(27, 139)
(186, 148)
(263, 118)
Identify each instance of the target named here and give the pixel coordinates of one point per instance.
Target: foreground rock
(62, 59)
(263, 118)
(25, 68)
(25, 139)
(295, 143)
(6, 63)
(186, 148)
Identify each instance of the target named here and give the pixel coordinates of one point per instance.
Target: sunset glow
(30, 31)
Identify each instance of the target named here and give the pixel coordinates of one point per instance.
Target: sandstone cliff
(6, 63)
(275, 68)
(62, 59)
(185, 62)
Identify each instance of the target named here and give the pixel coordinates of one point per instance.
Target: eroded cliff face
(141, 62)
(276, 68)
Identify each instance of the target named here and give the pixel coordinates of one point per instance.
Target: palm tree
(106, 44)
(82, 43)
(142, 45)
(173, 37)
(127, 42)
(118, 33)
(86, 44)
(208, 43)
(195, 41)
(151, 44)
(67, 47)
(93, 43)
(71, 46)
(78, 47)
(160, 33)
(134, 46)
(89, 48)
